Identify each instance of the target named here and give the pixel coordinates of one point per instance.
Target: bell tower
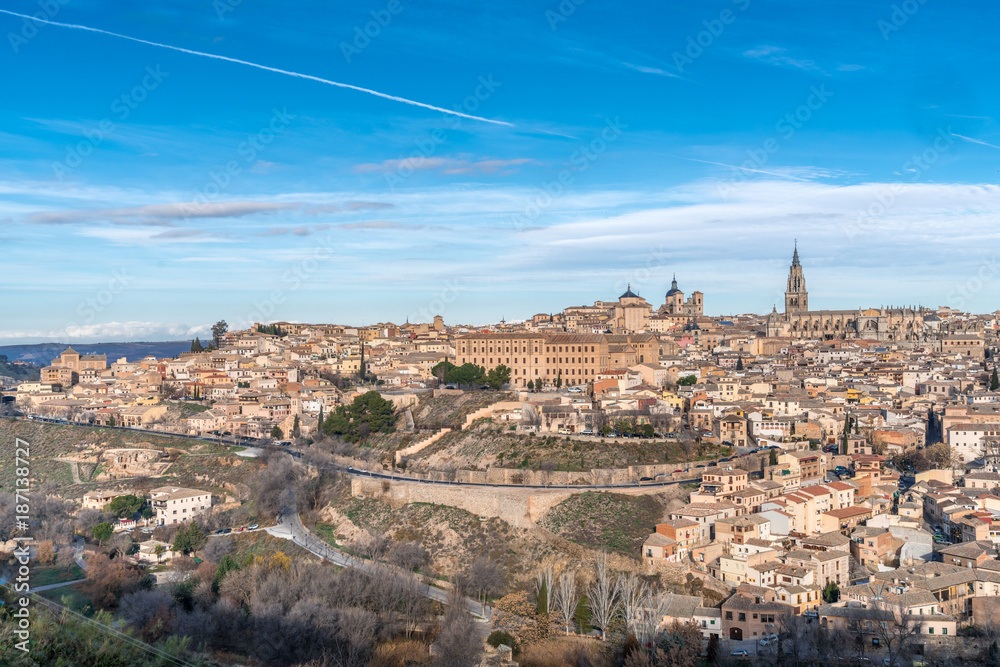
(796, 295)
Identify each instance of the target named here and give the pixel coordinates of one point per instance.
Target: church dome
(673, 288)
(628, 294)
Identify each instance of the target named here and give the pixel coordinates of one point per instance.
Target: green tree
(158, 551)
(191, 538)
(361, 368)
(319, 420)
(498, 377)
(296, 431)
(531, 385)
(582, 615)
(147, 512)
(847, 430)
(543, 600)
(648, 431)
(219, 330)
(994, 380)
(442, 370)
(111, 420)
(196, 345)
(368, 413)
(124, 506)
(276, 432)
(739, 364)
(713, 653)
(831, 593)
(559, 380)
(687, 381)
(226, 565)
(773, 457)
(101, 532)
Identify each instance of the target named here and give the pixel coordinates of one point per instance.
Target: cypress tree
(543, 600)
(582, 615)
(994, 380)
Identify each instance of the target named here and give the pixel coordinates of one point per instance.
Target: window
(729, 615)
(743, 616)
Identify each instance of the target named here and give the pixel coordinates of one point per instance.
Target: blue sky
(146, 193)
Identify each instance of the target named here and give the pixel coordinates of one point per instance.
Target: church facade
(883, 324)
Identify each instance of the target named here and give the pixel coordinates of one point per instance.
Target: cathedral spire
(795, 255)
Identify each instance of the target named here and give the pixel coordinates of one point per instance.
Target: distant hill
(17, 372)
(42, 354)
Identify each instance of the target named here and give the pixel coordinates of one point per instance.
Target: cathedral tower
(796, 296)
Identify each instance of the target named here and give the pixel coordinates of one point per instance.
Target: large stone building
(884, 324)
(545, 357)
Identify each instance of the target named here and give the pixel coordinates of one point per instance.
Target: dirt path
(74, 468)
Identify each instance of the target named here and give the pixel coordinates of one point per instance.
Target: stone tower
(796, 296)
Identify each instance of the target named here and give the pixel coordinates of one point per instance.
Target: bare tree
(602, 595)
(408, 555)
(484, 578)
(650, 616)
(543, 585)
(459, 642)
(632, 594)
(893, 627)
(566, 598)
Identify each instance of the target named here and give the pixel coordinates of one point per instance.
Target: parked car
(645, 479)
(575, 390)
(586, 431)
(253, 527)
(226, 531)
(739, 653)
(841, 470)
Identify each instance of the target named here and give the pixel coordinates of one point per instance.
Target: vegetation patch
(608, 521)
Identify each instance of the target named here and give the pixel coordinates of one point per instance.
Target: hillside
(17, 372)
(488, 445)
(186, 462)
(609, 521)
(453, 537)
(450, 410)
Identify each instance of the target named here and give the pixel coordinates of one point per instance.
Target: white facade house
(175, 504)
(966, 440)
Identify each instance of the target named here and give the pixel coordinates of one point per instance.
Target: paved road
(39, 589)
(290, 527)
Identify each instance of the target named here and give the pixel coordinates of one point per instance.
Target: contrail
(733, 166)
(394, 98)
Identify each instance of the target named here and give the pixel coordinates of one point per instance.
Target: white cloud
(111, 331)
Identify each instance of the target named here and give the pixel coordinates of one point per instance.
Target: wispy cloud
(651, 70)
(283, 231)
(776, 55)
(160, 214)
(451, 166)
(379, 224)
(975, 141)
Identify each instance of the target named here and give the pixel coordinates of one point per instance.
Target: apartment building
(176, 504)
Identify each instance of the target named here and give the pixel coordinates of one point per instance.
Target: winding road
(290, 527)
